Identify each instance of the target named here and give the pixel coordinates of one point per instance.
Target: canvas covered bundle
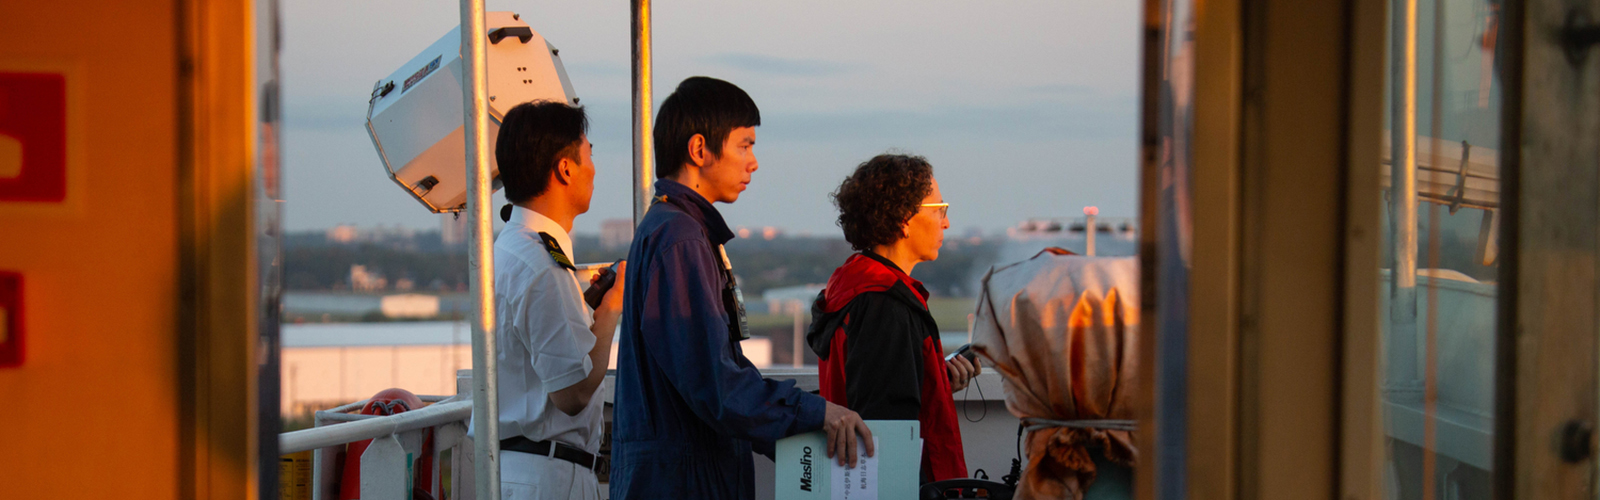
(1063, 331)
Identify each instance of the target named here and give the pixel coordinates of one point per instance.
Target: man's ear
(697, 150)
(563, 171)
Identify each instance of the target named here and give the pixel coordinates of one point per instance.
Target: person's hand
(961, 372)
(612, 301)
(842, 425)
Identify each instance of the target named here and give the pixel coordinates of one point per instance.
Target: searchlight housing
(414, 115)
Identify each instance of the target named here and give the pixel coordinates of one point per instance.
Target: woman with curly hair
(877, 345)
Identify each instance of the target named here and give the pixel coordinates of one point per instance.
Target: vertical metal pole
(1089, 229)
(480, 253)
(644, 155)
(1430, 337)
(1402, 375)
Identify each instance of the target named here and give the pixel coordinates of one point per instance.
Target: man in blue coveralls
(689, 406)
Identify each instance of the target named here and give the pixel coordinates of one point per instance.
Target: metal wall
(98, 388)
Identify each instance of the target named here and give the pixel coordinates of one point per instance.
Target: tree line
(312, 263)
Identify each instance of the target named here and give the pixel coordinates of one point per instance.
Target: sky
(1024, 108)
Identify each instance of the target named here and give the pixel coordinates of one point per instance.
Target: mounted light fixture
(414, 115)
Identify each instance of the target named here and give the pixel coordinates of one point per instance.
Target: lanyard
(733, 300)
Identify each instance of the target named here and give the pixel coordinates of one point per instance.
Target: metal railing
(398, 441)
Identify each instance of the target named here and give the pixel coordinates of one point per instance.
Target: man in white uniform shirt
(553, 350)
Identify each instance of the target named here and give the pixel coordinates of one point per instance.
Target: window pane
(268, 230)
(1169, 91)
(1440, 203)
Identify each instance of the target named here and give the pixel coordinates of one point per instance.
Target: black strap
(563, 451)
(732, 298)
(556, 254)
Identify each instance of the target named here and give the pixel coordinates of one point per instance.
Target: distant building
(330, 364)
(765, 232)
(452, 229)
(335, 363)
(791, 299)
(343, 233)
(396, 237)
(363, 281)
(1121, 227)
(757, 349)
(410, 305)
(616, 233)
(384, 233)
(1114, 237)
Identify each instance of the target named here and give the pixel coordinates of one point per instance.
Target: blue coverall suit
(689, 405)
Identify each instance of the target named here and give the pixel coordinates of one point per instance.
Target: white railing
(397, 442)
(989, 434)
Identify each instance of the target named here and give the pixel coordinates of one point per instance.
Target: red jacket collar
(867, 272)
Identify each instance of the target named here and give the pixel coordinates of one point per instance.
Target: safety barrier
(397, 442)
(989, 434)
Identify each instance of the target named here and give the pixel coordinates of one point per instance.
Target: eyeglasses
(943, 208)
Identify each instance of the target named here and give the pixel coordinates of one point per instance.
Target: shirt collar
(696, 206)
(535, 222)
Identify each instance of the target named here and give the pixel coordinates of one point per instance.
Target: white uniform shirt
(542, 335)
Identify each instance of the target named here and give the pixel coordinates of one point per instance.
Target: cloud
(325, 113)
(780, 66)
(1040, 121)
(1003, 163)
(601, 69)
(1010, 137)
(1061, 90)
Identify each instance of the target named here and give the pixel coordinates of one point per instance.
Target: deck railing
(397, 442)
(989, 434)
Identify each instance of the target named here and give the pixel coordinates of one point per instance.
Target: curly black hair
(880, 196)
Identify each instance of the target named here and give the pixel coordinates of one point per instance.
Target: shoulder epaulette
(556, 254)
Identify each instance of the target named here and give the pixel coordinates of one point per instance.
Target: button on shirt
(542, 335)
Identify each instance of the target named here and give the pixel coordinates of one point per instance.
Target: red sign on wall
(33, 137)
(10, 319)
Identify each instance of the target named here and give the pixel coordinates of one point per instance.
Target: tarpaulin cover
(1063, 330)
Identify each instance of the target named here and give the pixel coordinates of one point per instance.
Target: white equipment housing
(415, 116)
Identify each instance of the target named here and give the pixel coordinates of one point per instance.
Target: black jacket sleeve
(883, 359)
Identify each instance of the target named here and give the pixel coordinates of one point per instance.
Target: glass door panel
(1441, 213)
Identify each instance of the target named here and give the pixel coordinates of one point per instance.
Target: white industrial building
(327, 364)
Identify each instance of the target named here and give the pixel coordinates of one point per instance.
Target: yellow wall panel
(93, 411)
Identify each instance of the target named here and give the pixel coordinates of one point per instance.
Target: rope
(1103, 424)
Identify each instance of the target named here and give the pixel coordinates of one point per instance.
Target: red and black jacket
(880, 355)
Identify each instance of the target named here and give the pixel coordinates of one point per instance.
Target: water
(313, 304)
(377, 334)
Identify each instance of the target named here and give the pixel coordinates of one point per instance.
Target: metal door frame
(1547, 389)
